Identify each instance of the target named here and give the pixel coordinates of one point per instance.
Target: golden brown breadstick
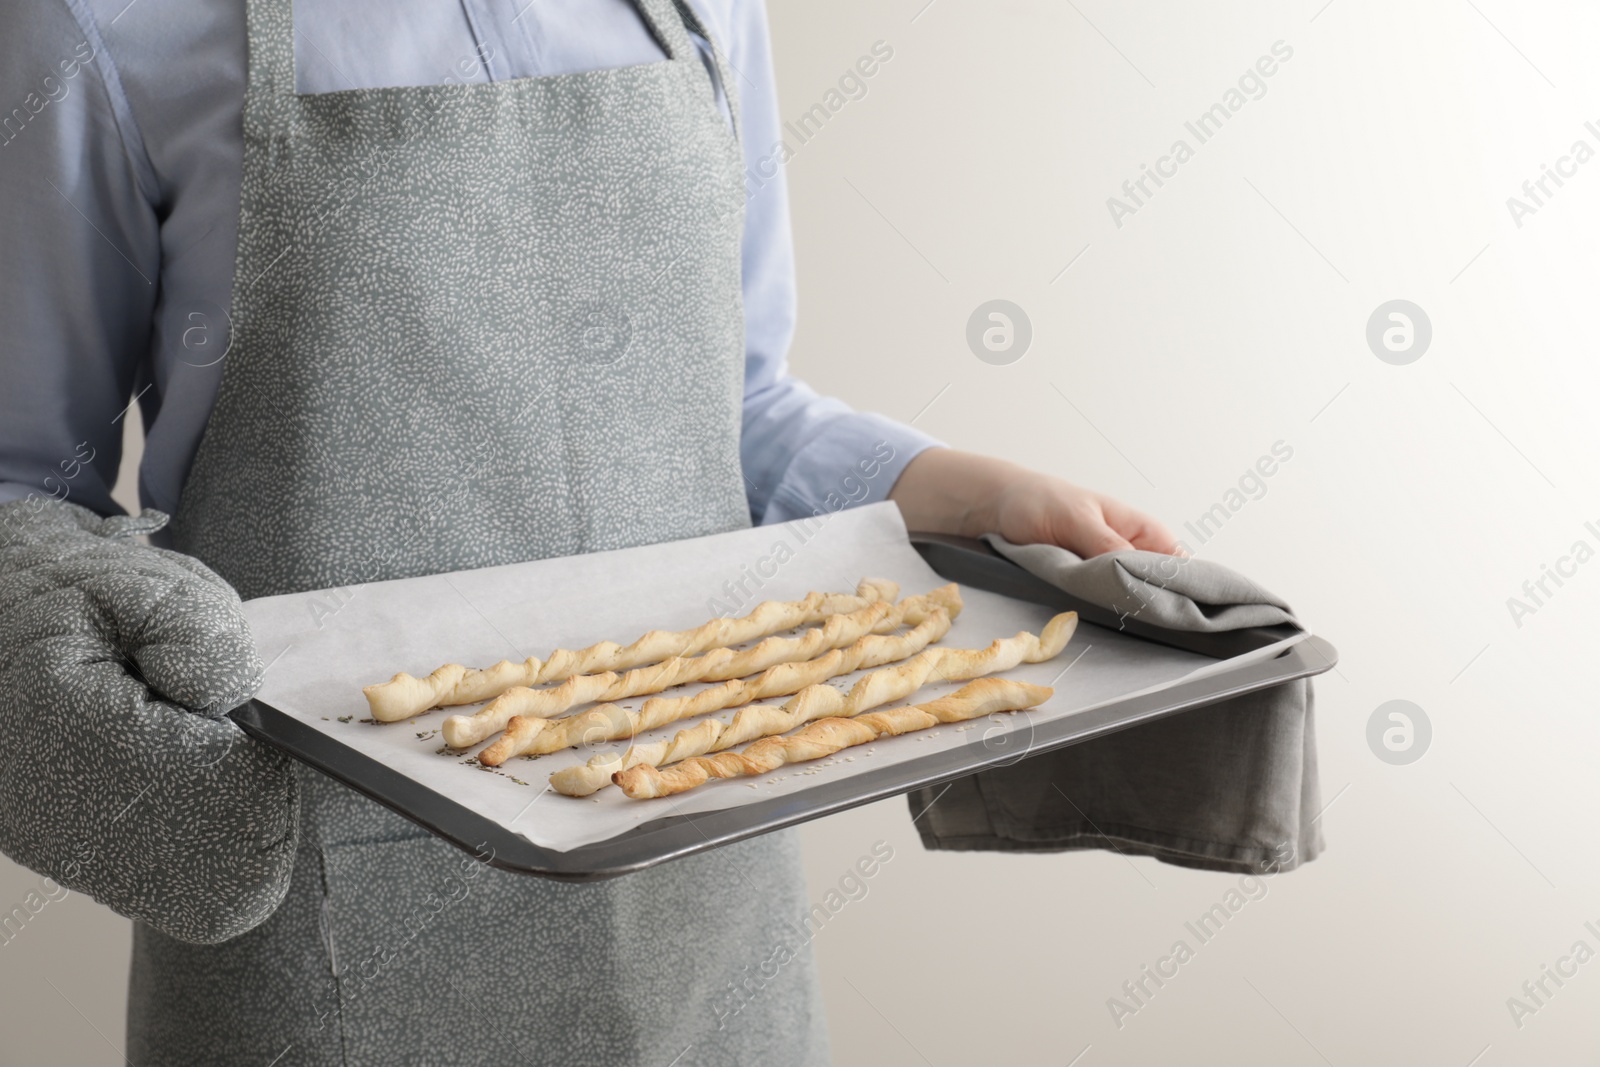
(612, 722)
(821, 701)
(403, 696)
(461, 731)
(827, 736)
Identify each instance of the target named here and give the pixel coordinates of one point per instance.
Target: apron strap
(725, 71)
(672, 20)
(269, 48)
(668, 25)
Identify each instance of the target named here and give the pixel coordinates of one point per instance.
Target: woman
(400, 289)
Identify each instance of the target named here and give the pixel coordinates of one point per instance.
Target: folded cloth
(1230, 787)
(1174, 592)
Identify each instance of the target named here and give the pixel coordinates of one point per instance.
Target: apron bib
(478, 324)
(474, 324)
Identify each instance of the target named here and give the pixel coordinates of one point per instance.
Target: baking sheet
(323, 647)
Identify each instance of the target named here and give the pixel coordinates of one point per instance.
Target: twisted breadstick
(612, 722)
(827, 736)
(403, 696)
(461, 731)
(821, 701)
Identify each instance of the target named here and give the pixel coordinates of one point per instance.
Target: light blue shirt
(119, 188)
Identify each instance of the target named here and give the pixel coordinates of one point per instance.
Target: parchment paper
(323, 647)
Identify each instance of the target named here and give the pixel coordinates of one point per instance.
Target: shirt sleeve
(803, 454)
(82, 255)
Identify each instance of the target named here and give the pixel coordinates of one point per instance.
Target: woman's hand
(944, 490)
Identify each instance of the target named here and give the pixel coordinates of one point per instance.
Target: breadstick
(821, 701)
(403, 696)
(827, 736)
(720, 664)
(612, 722)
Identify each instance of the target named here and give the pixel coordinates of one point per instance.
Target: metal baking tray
(967, 562)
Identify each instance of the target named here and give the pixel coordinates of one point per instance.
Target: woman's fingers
(1137, 529)
(1095, 538)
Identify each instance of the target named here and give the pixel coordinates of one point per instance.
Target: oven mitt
(119, 776)
(1230, 787)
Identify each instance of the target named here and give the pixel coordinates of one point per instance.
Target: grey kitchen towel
(1230, 787)
(1176, 592)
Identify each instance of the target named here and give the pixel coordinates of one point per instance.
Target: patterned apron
(476, 324)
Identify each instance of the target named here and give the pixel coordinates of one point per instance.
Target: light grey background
(1227, 314)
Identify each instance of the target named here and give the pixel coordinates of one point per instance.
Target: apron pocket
(406, 924)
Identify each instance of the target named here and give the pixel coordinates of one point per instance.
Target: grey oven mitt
(1231, 786)
(119, 776)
